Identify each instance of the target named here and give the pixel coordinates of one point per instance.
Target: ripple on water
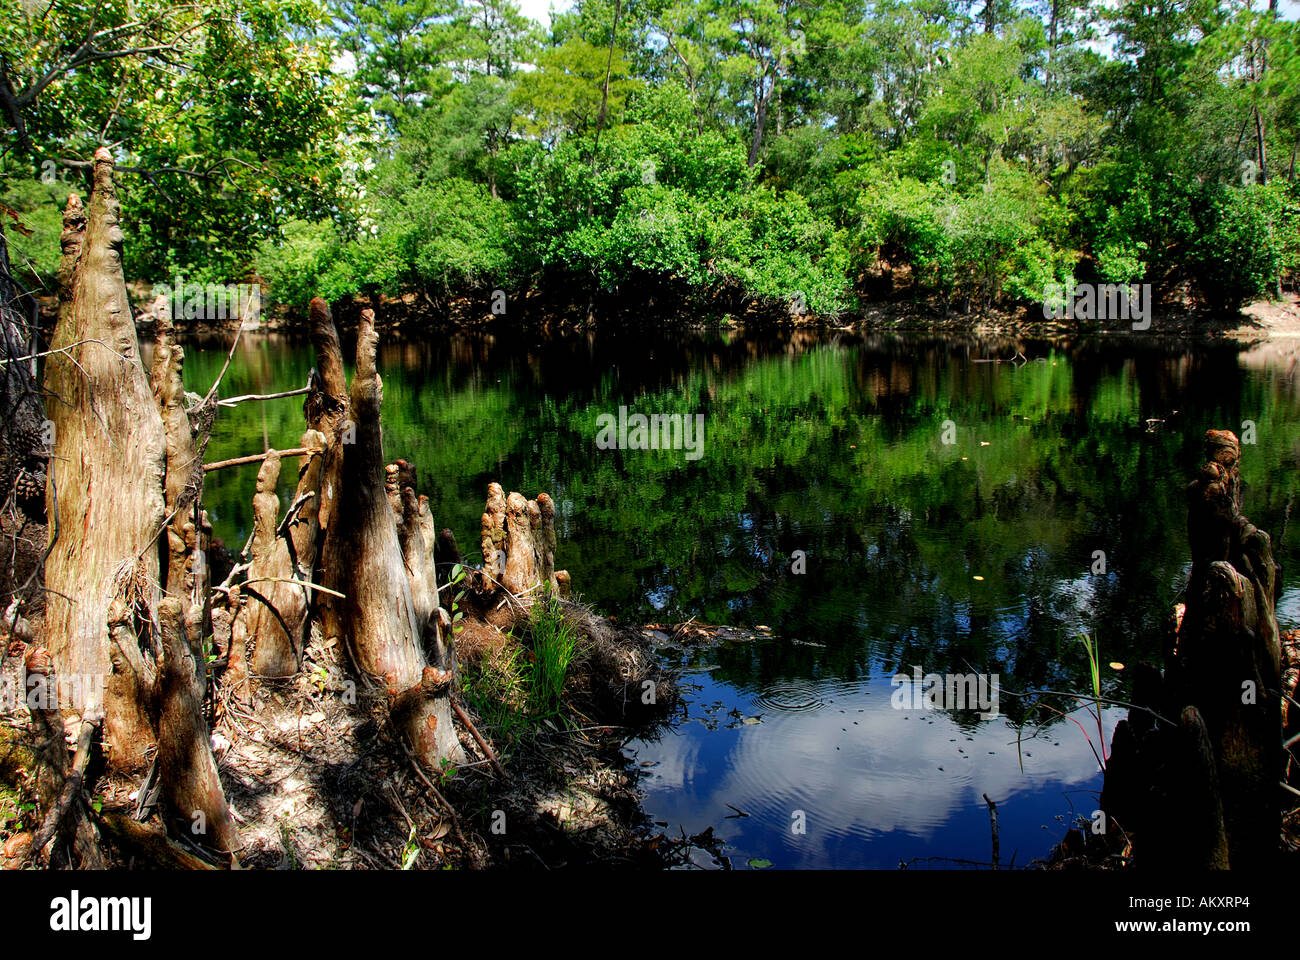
(792, 696)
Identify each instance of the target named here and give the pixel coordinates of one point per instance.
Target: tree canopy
(973, 153)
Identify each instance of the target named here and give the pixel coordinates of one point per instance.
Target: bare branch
(255, 458)
(46, 353)
(298, 583)
(231, 401)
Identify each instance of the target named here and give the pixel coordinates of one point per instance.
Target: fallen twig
(478, 738)
(306, 584)
(993, 825)
(451, 811)
(682, 629)
(46, 353)
(70, 793)
(225, 366)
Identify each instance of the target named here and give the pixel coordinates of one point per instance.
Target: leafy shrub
(1238, 253)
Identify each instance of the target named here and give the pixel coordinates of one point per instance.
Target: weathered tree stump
(182, 566)
(125, 483)
(365, 560)
(259, 617)
(188, 770)
(1202, 790)
(277, 623)
(106, 498)
(518, 541)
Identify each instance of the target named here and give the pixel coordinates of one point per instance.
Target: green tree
(401, 48)
(225, 112)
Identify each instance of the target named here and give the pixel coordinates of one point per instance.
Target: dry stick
(236, 570)
(299, 574)
(508, 595)
(905, 864)
(451, 811)
(1018, 356)
(167, 521)
(226, 366)
(231, 401)
(1047, 706)
(1109, 701)
(401, 807)
(680, 630)
(478, 738)
(290, 517)
(47, 353)
(993, 822)
(305, 584)
(148, 793)
(255, 458)
(69, 794)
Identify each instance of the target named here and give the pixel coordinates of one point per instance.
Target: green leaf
(412, 851)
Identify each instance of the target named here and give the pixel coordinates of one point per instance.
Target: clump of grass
(555, 642)
(523, 683)
(291, 861)
(1092, 649)
(497, 690)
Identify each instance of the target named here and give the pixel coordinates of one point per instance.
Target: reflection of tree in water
(833, 449)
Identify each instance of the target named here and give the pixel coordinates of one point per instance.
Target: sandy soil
(1273, 320)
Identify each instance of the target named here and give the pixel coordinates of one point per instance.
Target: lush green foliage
(794, 150)
(800, 153)
(224, 114)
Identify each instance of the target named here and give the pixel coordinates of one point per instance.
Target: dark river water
(880, 505)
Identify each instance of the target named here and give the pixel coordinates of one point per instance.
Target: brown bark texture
(187, 768)
(1202, 791)
(365, 560)
(124, 491)
(108, 466)
(517, 536)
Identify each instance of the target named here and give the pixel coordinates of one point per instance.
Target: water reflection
(977, 554)
(877, 786)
